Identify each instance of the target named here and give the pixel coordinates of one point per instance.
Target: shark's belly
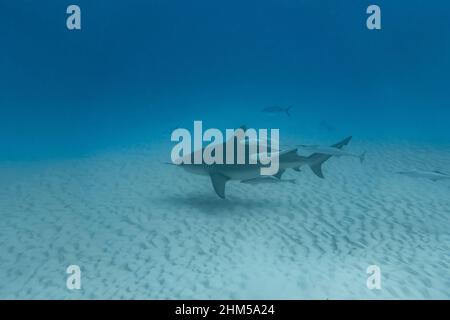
(240, 172)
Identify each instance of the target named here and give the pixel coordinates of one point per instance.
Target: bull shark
(332, 151)
(432, 175)
(220, 174)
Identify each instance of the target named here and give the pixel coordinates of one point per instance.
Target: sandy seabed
(140, 229)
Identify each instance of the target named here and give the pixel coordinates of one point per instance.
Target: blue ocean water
(85, 123)
(139, 68)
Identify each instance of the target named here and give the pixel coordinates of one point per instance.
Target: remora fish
(332, 151)
(432, 175)
(267, 180)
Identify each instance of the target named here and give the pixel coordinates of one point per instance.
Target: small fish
(432, 175)
(331, 151)
(267, 180)
(276, 110)
(328, 127)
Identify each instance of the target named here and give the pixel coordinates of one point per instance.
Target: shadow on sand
(211, 204)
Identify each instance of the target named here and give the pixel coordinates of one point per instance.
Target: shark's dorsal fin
(218, 181)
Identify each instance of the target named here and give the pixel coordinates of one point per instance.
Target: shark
(332, 151)
(432, 175)
(220, 174)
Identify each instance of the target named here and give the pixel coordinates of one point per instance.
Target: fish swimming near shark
(326, 126)
(275, 110)
(431, 175)
(220, 174)
(332, 151)
(267, 180)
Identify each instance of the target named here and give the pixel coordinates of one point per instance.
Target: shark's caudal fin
(218, 181)
(342, 143)
(316, 160)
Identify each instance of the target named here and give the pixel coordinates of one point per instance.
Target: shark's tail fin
(362, 157)
(287, 110)
(316, 160)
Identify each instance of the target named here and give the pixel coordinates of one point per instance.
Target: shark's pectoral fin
(218, 181)
(279, 173)
(317, 169)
